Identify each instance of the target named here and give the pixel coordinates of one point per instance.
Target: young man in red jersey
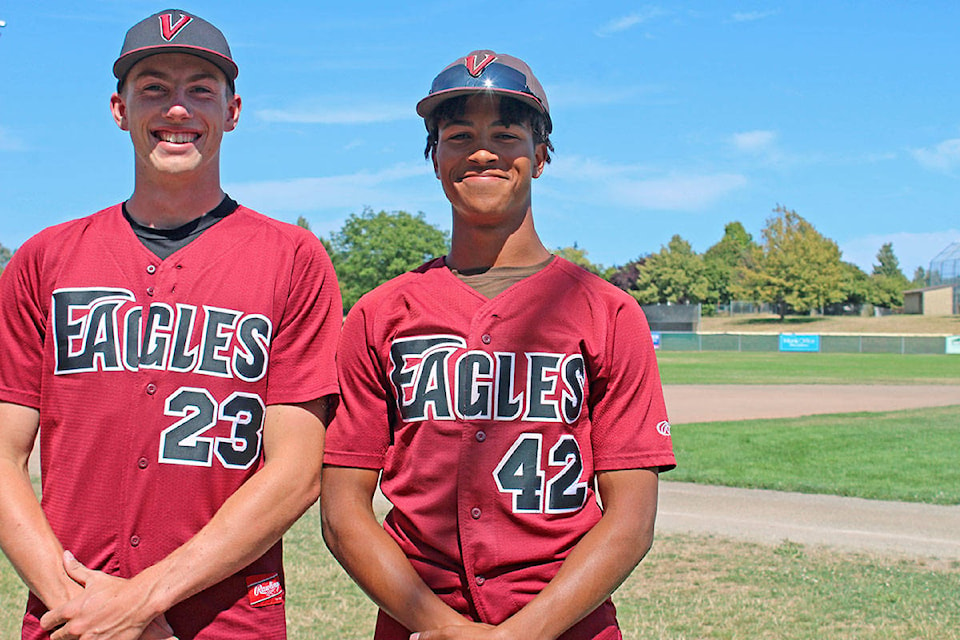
(180, 397)
(496, 389)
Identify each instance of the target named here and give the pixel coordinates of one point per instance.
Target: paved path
(853, 524)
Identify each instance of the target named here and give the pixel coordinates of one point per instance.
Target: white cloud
(333, 112)
(379, 189)
(624, 23)
(751, 16)
(754, 141)
(912, 249)
(635, 187)
(943, 157)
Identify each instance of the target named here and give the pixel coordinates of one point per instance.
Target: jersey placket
(476, 491)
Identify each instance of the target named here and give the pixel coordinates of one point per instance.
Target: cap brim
(426, 106)
(125, 62)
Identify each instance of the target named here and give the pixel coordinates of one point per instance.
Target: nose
(482, 155)
(177, 109)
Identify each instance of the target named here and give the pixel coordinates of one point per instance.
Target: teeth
(177, 137)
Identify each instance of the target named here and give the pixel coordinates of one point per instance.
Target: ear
(436, 167)
(234, 105)
(119, 110)
(540, 156)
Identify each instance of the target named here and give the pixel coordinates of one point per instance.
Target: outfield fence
(828, 343)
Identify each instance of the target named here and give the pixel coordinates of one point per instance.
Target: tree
(578, 257)
(855, 284)
(5, 255)
(795, 267)
(676, 274)
(371, 248)
(625, 277)
(303, 222)
(889, 283)
(919, 278)
(725, 262)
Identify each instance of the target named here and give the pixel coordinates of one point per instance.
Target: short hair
(512, 111)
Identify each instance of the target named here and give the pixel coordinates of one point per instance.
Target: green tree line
(792, 266)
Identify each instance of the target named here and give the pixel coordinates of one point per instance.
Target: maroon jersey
(489, 418)
(152, 379)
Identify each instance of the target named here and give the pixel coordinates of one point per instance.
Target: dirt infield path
(772, 516)
(717, 402)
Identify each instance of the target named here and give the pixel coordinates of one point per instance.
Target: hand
(466, 631)
(107, 608)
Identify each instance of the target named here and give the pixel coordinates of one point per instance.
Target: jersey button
(481, 436)
(142, 463)
(151, 388)
(150, 291)
(134, 541)
(151, 269)
(485, 338)
(475, 513)
(480, 580)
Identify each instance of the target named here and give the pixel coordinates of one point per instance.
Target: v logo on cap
(169, 30)
(476, 69)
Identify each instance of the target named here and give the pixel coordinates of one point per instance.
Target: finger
(52, 621)
(75, 569)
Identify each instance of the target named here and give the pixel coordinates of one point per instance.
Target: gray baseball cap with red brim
(175, 31)
(487, 71)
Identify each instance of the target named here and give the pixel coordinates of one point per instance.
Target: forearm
(372, 558)
(27, 539)
(600, 562)
(25, 535)
(250, 521)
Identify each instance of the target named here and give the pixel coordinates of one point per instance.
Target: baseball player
(176, 353)
(497, 389)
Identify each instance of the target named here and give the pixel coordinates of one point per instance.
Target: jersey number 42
(521, 473)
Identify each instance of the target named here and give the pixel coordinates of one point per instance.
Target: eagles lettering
(438, 378)
(104, 330)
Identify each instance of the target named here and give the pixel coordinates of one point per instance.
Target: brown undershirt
(493, 281)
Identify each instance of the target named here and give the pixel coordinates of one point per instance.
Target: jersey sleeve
(303, 351)
(22, 327)
(359, 434)
(630, 427)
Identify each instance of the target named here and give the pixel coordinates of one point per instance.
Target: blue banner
(656, 339)
(799, 342)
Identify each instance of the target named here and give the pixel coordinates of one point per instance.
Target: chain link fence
(829, 343)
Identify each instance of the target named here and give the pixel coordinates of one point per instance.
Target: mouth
(176, 137)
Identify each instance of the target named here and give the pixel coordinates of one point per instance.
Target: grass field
(899, 455)
(900, 324)
(731, 367)
(688, 587)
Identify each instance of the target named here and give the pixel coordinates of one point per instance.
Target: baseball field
(706, 586)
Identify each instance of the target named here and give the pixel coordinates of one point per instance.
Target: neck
(474, 247)
(174, 201)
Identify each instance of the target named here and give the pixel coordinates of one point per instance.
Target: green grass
(899, 455)
(703, 587)
(731, 367)
(688, 587)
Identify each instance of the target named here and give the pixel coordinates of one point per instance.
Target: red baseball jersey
(152, 379)
(489, 418)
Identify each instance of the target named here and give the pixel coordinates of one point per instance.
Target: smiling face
(486, 165)
(176, 107)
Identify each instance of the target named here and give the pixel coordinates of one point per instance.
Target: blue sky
(669, 118)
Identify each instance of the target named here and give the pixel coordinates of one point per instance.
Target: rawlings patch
(264, 590)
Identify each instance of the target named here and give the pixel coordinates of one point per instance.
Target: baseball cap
(175, 31)
(484, 70)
